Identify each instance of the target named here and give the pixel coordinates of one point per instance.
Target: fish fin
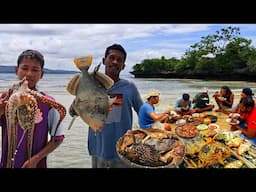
(73, 84)
(83, 63)
(111, 100)
(72, 121)
(97, 68)
(104, 79)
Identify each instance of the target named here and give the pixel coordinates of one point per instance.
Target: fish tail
(83, 63)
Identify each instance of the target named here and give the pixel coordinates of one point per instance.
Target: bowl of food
(150, 148)
(234, 115)
(181, 122)
(196, 115)
(222, 98)
(213, 126)
(232, 121)
(202, 127)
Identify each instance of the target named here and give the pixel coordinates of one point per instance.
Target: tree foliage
(222, 52)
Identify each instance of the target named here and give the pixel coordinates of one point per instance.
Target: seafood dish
(150, 148)
(188, 130)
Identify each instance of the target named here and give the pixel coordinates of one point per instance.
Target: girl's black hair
(228, 90)
(247, 101)
(31, 54)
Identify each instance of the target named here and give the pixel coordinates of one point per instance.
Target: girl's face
(223, 92)
(242, 95)
(244, 109)
(31, 69)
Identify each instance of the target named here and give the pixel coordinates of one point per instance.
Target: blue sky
(60, 43)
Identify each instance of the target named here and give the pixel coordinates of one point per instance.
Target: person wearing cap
(201, 102)
(30, 65)
(148, 118)
(183, 105)
(224, 99)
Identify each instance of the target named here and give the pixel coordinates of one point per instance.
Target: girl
(30, 65)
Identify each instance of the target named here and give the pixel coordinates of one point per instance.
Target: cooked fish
(92, 101)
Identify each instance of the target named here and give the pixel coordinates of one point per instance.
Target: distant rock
(11, 69)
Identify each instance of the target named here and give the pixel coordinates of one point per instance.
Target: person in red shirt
(248, 126)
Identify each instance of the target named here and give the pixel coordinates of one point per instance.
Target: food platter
(233, 115)
(222, 98)
(187, 130)
(150, 148)
(232, 123)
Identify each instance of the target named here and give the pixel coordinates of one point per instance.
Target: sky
(61, 43)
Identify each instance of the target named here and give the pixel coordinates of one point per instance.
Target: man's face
(114, 63)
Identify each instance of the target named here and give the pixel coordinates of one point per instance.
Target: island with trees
(221, 56)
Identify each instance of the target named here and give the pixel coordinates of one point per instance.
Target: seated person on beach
(245, 92)
(224, 99)
(201, 102)
(247, 120)
(183, 105)
(148, 118)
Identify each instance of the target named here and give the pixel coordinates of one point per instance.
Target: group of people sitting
(246, 108)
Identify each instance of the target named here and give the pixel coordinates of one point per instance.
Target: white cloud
(60, 43)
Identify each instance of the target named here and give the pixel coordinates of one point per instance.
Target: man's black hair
(185, 96)
(116, 47)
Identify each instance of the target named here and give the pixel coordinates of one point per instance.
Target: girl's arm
(50, 147)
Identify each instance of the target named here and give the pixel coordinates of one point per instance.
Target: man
(201, 102)
(224, 99)
(183, 105)
(102, 144)
(148, 118)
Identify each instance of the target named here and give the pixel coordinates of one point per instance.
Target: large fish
(92, 101)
